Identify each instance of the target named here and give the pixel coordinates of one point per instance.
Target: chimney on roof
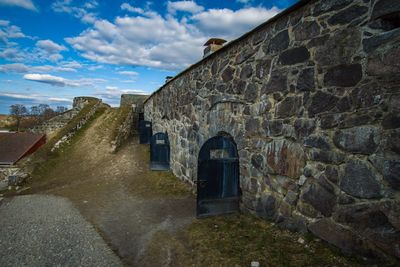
(168, 78)
(213, 45)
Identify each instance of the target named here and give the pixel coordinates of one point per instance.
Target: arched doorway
(145, 132)
(159, 152)
(218, 189)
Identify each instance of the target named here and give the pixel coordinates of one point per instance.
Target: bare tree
(18, 111)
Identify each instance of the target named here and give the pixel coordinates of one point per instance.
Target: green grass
(45, 159)
(157, 183)
(237, 240)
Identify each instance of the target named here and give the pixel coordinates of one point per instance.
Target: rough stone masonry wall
(312, 100)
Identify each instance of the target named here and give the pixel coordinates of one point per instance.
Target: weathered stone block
(337, 235)
(244, 55)
(288, 107)
(246, 72)
(285, 158)
(389, 168)
(306, 81)
(362, 139)
(373, 43)
(294, 56)
(320, 198)
(273, 127)
(348, 15)
(262, 68)
(321, 102)
(327, 6)
(227, 74)
(339, 48)
(306, 30)
(343, 75)
(329, 157)
(279, 42)
(251, 93)
(277, 82)
(317, 141)
(359, 181)
(391, 121)
(385, 7)
(386, 65)
(304, 127)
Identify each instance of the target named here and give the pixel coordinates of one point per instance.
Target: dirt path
(117, 193)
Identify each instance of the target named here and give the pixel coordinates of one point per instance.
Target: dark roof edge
(39, 137)
(289, 10)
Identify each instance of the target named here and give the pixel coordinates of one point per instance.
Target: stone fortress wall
(312, 100)
(56, 123)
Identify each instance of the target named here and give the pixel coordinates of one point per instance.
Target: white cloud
(128, 73)
(149, 39)
(187, 6)
(60, 81)
(36, 97)
(65, 6)
(226, 22)
(9, 31)
(50, 46)
(27, 4)
(22, 68)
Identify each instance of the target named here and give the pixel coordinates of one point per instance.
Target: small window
(219, 153)
(160, 142)
(148, 125)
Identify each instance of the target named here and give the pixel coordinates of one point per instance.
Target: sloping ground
(147, 217)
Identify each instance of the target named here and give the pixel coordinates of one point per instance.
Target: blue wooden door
(218, 178)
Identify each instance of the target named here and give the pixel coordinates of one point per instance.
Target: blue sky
(51, 51)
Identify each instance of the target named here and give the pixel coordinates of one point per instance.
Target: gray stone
(294, 56)
(391, 121)
(257, 160)
(277, 82)
(244, 55)
(306, 82)
(361, 216)
(389, 168)
(359, 181)
(385, 65)
(306, 30)
(262, 68)
(338, 235)
(251, 93)
(291, 198)
(279, 42)
(273, 127)
(342, 47)
(366, 96)
(246, 72)
(288, 107)
(227, 75)
(304, 127)
(362, 139)
(332, 174)
(320, 198)
(252, 126)
(329, 157)
(327, 6)
(373, 43)
(348, 15)
(321, 102)
(267, 206)
(385, 7)
(343, 75)
(317, 141)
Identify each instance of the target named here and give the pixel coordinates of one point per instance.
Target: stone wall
(312, 100)
(125, 130)
(56, 123)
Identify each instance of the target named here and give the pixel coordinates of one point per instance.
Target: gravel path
(39, 230)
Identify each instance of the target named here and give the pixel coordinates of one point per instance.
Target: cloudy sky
(51, 51)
